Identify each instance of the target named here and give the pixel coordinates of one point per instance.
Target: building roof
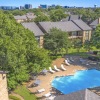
(64, 26)
(80, 95)
(3, 72)
(31, 16)
(18, 17)
(69, 26)
(24, 17)
(82, 24)
(72, 17)
(33, 28)
(95, 23)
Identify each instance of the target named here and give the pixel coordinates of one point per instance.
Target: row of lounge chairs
(56, 69)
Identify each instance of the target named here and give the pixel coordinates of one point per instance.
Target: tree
(58, 7)
(77, 44)
(56, 40)
(41, 18)
(18, 51)
(57, 15)
(87, 45)
(96, 37)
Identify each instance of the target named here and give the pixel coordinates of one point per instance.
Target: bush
(93, 58)
(95, 52)
(14, 97)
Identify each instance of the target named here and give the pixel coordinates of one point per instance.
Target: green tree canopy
(19, 52)
(42, 17)
(57, 15)
(96, 37)
(88, 45)
(56, 40)
(77, 43)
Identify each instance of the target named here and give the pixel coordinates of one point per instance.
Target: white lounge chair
(50, 69)
(55, 67)
(62, 66)
(51, 97)
(41, 90)
(67, 62)
(48, 94)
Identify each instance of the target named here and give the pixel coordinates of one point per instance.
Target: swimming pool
(79, 81)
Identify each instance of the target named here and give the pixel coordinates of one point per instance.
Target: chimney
(99, 20)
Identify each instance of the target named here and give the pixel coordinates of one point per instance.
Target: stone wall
(3, 87)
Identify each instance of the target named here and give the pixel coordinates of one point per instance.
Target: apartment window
(38, 39)
(74, 33)
(79, 33)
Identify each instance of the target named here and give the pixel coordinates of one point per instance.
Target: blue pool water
(79, 81)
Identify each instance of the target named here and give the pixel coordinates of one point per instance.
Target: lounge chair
(51, 97)
(37, 82)
(48, 94)
(44, 71)
(62, 67)
(50, 69)
(71, 59)
(41, 90)
(67, 62)
(82, 61)
(55, 67)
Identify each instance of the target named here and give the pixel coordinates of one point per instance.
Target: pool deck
(47, 79)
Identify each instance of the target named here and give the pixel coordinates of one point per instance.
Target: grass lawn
(25, 93)
(13, 97)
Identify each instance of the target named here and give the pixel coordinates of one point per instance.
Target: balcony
(72, 37)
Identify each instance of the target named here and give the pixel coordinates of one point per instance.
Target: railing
(70, 37)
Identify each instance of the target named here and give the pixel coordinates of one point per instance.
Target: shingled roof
(33, 28)
(18, 17)
(64, 26)
(81, 24)
(24, 17)
(80, 95)
(95, 23)
(71, 17)
(31, 16)
(69, 26)
(3, 72)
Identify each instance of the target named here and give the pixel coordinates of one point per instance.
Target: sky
(36, 3)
